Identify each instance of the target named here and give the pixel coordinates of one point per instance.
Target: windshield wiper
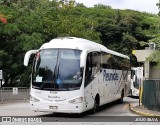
(43, 84)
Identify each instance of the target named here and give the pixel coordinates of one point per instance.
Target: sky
(140, 5)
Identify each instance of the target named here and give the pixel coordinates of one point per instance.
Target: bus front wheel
(95, 106)
(131, 92)
(122, 96)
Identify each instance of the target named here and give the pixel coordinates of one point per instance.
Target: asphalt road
(111, 109)
(112, 113)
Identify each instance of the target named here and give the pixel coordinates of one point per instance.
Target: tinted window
(93, 65)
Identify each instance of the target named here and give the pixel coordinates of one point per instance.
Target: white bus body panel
(134, 91)
(137, 77)
(56, 101)
(108, 91)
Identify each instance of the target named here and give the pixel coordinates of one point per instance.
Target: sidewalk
(141, 110)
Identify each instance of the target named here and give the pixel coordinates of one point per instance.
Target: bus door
(92, 76)
(88, 87)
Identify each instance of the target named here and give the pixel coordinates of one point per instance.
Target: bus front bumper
(57, 107)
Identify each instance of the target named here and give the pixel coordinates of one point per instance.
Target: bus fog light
(76, 100)
(33, 99)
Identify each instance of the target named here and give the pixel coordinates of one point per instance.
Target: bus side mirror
(27, 56)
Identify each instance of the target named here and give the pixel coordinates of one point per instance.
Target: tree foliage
(27, 24)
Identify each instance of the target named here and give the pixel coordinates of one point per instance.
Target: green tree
(30, 24)
(27, 24)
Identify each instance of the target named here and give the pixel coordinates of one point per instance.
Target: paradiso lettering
(109, 76)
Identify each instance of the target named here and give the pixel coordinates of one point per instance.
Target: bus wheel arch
(96, 104)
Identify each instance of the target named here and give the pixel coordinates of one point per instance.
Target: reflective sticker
(38, 79)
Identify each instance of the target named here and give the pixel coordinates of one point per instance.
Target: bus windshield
(57, 70)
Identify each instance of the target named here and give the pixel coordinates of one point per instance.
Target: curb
(140, 112)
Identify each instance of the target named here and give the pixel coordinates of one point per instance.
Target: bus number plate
(53, 107)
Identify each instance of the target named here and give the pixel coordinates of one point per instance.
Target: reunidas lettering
(109, 76)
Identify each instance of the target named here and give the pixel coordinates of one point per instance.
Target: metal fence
(151, 94)
(14, 94)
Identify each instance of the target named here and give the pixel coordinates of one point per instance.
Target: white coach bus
(73, 75)
(136, 80)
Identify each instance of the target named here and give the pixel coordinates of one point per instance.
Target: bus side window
(115, 63)
(96, 63)
(122, 63)
(111, 62)
(105, 61)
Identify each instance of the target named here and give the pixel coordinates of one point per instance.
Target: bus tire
(131, 92)
(96, 105)
(122, 96)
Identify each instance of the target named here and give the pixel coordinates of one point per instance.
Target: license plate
(53, 107)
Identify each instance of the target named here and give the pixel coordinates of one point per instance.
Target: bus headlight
(137, 91)
(33, 99)
(76, 100)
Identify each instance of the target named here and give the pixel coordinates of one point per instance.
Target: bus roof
(79, 43)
